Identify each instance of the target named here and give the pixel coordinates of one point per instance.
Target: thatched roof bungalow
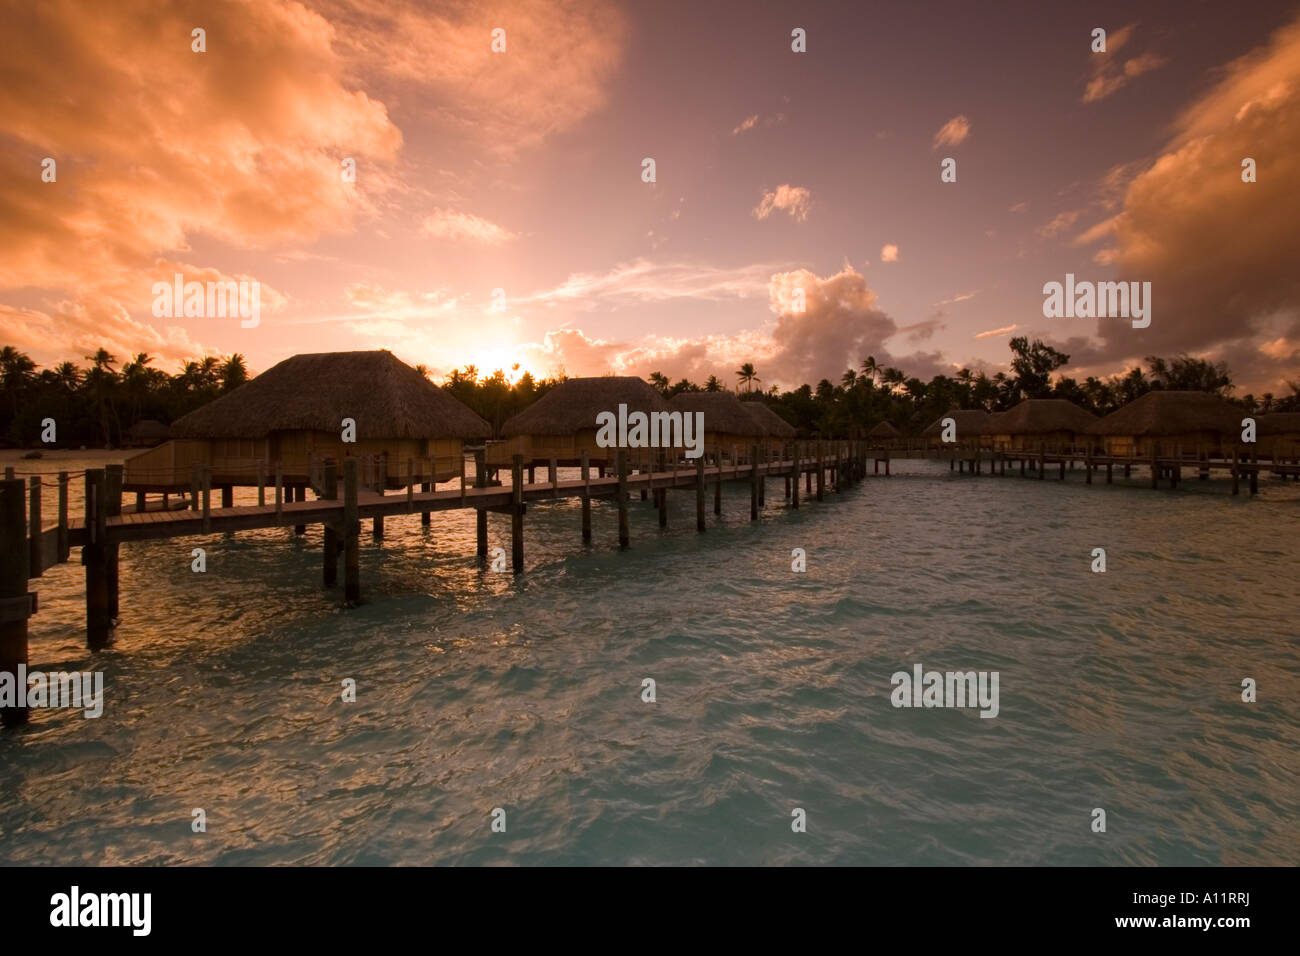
(1168, 421)
(562, 423)
(1278, 435)
(883, 433)
(1052, 423)
(774, 426)
(970, 425)
(293, 414)
(729, 430)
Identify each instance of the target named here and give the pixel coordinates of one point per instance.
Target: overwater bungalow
(883, 434)
(1278, 435)
(777, 431)
(970, 426)
(562, 423)
(729, 430)
(294, 414)
(1169, 423)
(1050, 423)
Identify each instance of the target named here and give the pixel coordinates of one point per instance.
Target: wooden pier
(107, 525)
(28, 547)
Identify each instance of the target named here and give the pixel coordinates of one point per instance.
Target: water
(479, 690)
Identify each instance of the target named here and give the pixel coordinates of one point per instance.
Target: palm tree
(423, 369)
(660, 381)
(713, 385)
(871, 367)
(747, 376)
(849, 378)
(234, 372)
(471, 374)
(101, 380)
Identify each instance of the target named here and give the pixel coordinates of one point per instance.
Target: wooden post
(699, 494)
(480, 515)
(205, 476)
(113, 477)
(753, 483)
(1087, 464)
(381, 481)
(261, 482)
(410, 486)
(1062, 478)
(1042, 462)
(141, 502)
(15, 605)
(227, 496)
(34, 561)
(820, 477)
(1110, 467)
(65, 543)
(194, 485)
(794, 481)
(1022, 464)
(623, 535)
(1176, 473)
(553, 476)
(1254, 471)
(586, 497)
(92, 557)
(330, 549)
(279, 493)
(1155, 467)
(426, 487)
(717, 484)
(517, 512)
(1236, 473)
(351, 534)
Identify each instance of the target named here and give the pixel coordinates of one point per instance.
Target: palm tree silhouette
(747, 376)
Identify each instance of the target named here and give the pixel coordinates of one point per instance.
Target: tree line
(99, 403)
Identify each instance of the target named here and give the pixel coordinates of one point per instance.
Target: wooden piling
(820, 474)
(699, 494)
(261, 482)
(227, 496)
(586, 497)
(195, 483)
(15, 606)
(623, 534)
(717, 484)
(1087, 464)
(64, 539)
(753, 483)
(92, 558)
(1254, 471)
(517, 512)
(480, 515)
(1236, 472)
(351, 534)
(794, 481)
(205, 479)
(34, 555)
(330, 547)
(114, 475)
(553, 476)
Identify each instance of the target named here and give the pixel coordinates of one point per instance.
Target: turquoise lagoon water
(479, 690)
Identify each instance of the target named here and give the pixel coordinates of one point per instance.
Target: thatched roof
(315, 392)
(1278, 423)
(723, 412)
(884, 430)
(1171, 413)
(773, 424)
(970, 423)
(573, 405)
(1040, 416)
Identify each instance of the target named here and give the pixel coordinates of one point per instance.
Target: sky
(500, 213)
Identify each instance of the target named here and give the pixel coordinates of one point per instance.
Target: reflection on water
(479, 690)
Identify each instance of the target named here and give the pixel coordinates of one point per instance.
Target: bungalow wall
(1190, 443)
(1051, 441)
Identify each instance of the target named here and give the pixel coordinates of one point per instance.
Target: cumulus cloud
(1220, 253)
(889, 253)
(952, 133)
(1058, 224)
(786, 198)
(458, 226)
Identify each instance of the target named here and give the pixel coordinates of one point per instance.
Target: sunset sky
(776, 170)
